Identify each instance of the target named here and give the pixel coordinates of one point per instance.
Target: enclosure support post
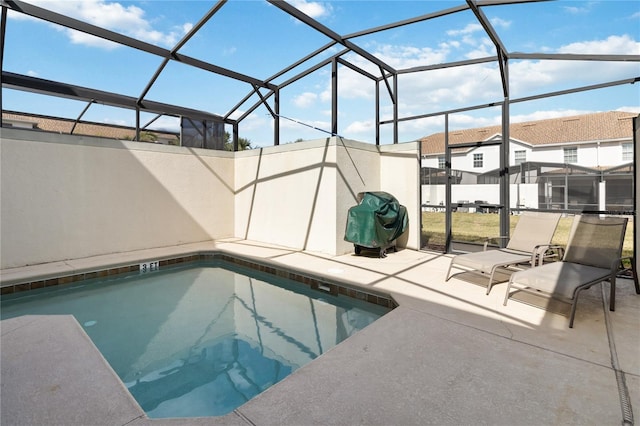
(137, 123)
(504, 176)
(276, 119)
(334, 97)
(395, 108)
(447, 190)
(377, 112)
(235, 137)
(3, 26)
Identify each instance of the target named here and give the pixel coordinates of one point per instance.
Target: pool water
(201, 341)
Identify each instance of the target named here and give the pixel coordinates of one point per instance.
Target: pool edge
(68, 274)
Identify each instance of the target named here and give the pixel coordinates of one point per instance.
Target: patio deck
(448, 354)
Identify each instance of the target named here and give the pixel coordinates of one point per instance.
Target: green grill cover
(376, 221)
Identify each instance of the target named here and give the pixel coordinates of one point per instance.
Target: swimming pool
(202, 340)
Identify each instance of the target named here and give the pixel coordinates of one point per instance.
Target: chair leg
(493, 270)
(634, 274)
(612, 292)
(506, 295)
(449, 271)
(573, 311)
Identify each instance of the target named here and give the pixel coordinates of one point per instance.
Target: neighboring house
(600, 140)
(573, 163)
(65, 126)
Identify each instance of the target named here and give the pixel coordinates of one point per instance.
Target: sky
(258, 39)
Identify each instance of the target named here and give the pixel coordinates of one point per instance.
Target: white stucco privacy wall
(66, 197)
(298, 195)
(400, 176)
(285, 195)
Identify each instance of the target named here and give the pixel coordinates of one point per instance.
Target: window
(477, 160)
(520, 156)
(441, 164)
(571, 155)
(627, 152)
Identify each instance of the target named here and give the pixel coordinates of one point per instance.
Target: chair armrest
(486, 240)
(540, 250)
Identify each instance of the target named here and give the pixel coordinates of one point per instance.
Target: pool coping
(25, 281)
(386, 373)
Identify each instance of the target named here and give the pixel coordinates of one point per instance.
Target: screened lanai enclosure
(460, 64)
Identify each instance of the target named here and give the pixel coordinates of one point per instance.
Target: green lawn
(473, 227)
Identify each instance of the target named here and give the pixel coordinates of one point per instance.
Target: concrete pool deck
(449, 354)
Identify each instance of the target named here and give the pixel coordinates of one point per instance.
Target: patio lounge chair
(592, 256)
(530, 240)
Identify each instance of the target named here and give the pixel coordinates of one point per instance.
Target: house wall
(65, 197)
(285, 195)
(400, 176)
(590, 154)
(298, 195)
(520, 195)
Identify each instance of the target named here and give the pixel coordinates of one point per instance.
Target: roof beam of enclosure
(450, 111)
(286, 83)
(632, 80)
(433, 15)
(386, 82)
(357, 69)
(524, 99)
(406, 22)
(501, 50)
(286, 7)
(84, 27)
(264, 101)
(75, 123)
(284, 71)
(69, 91)
(575, 57)
(449, 65)
(179, 45)
(305, 59)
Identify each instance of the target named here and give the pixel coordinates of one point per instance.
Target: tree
(145, 136)
(243, 143)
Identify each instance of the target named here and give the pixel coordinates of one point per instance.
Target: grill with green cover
(376, 222)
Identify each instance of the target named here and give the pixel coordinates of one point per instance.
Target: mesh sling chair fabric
(528, 243)
(592, 256)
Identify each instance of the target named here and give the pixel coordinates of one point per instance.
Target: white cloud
(32, 73)
(500, 23)
(611, 45)
(229, 51)
(128, 20)
(577, 10)
(469, 29)
(357, 127)
(117, 122)
(529, 76)
(167, 123)
(635, 109)
(305, 99)
(313, 9)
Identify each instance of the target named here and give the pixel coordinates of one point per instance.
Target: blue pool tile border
(318, 283)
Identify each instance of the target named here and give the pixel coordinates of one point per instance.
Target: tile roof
(581, 128)
(62, 125)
